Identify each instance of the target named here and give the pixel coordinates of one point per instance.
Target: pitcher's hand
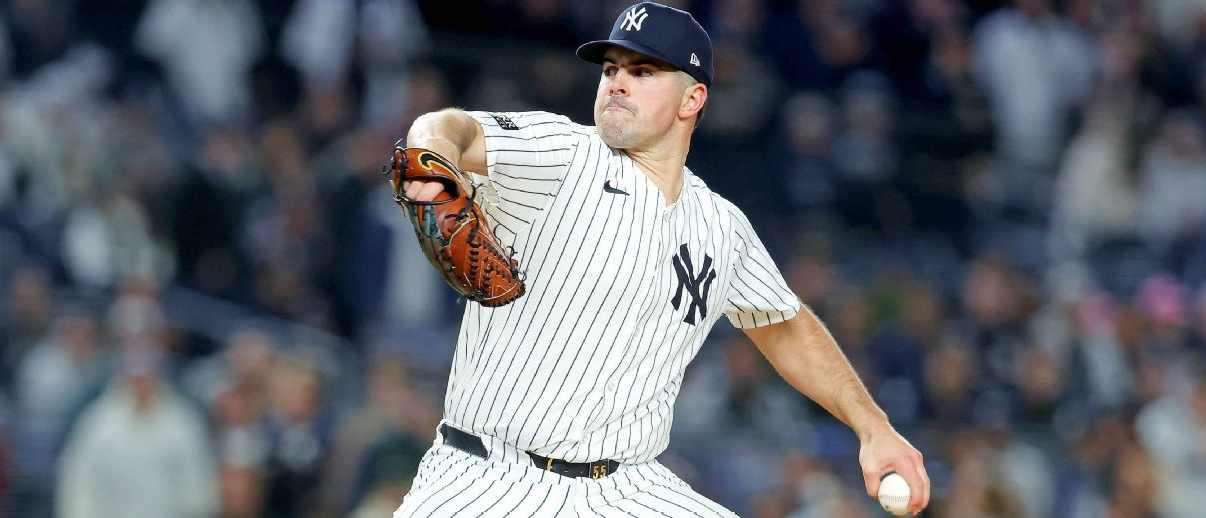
(884, 451)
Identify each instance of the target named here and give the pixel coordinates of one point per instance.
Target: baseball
(894, 494)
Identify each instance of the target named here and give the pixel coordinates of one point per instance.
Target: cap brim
(593, 51)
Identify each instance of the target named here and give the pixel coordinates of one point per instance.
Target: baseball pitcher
(596, 263)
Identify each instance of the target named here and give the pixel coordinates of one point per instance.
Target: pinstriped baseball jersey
(623, 287)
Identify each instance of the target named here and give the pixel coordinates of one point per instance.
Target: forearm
(449, 132)
(805, 354)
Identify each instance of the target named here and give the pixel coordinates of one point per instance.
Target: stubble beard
(615, 133)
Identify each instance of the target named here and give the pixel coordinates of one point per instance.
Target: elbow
(452, 124)
(431, 121)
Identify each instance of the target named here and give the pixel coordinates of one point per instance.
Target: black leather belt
(473, 445)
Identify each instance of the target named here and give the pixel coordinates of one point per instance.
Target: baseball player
(559, 403)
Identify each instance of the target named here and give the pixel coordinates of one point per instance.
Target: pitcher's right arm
(453, 134)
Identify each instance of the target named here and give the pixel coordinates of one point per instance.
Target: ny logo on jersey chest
(696, 285)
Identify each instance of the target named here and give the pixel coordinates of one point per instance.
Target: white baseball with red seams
(894, 494)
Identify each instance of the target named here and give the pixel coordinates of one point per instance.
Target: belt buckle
(598, 471)
(549, 465)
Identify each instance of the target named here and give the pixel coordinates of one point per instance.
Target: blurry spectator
(242, 491)
(392, 410)
(1103, 353)
(1178, 22)
(28, 307)
(975, 489)
(387, 471)
(139, 450)
(1084, 484)
(378, 270)
(108, 238)
(557, 80)
(942, 128)
(816, 44)
(323, 40)
(1164, 304)
(810, 489)
(864, 151)
(1096, 196)
(905, 34)
(746, 402)
(997, 298)
(208, 206)
(1174, 176)
(285, 235)
(733, 396)
(950, 378)
(1037, 68)
(136, 314)
(1024, 475)
(427, 90)
(810, 175)
(206, 48)
(239, 409)
(54, 378)
(384, 282)
(318, 39)
(744, 92)
(298, 432)
(743, 97)
(1136, 485)
(386, 54)
(143, 164)
(1173, 431)
(59, 104)
(896, 354)
(234, 382)
(1041, 389)
(812, 274)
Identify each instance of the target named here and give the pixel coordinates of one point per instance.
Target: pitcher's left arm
(805, 354)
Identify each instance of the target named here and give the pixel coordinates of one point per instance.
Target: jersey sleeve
(526, 147)
(527, 156)
(758, 295)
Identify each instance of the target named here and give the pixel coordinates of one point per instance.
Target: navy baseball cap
(661, 32)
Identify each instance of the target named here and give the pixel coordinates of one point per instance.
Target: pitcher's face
(638, 98)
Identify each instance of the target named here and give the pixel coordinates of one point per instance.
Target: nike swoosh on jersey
(608, 188)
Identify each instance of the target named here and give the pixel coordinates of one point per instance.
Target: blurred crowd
(210, 306)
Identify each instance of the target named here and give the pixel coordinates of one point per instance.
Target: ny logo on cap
(634, 18)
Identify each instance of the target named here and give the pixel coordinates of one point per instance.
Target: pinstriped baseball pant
(452, 483)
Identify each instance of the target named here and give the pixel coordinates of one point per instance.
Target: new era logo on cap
(634, 17)
(674, 37)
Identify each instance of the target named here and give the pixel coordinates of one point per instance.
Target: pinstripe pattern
(622, 290)
(451, 483)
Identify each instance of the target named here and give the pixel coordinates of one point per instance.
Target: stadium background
(996, 206)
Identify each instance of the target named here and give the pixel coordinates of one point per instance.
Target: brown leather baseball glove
(452, 229)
